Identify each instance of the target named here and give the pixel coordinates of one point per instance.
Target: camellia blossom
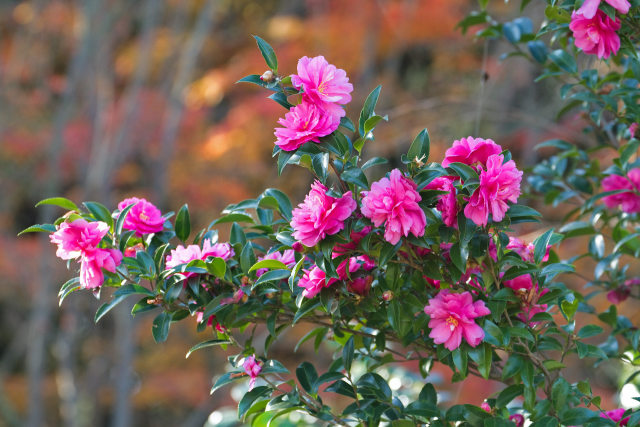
(76, 238)
(360, 285)
(91, 275)
(529, 293)
(252, 367)
(590, 7)
(499, 183)
(452, 317)
(143, 217)
(287, 257)
(616, 416)
(320, 215)
(629, 200)
(447, 203)
(596, 35)
(485, 407)
(525, 250)
(471, 151)
(306, 122)
(313, 281)
(219, 250)
(322, 82)
(184, 255)
(621, 293)
(517, 419)
(633, 128)
(393, 202)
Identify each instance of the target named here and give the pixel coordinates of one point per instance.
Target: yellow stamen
(452, 321)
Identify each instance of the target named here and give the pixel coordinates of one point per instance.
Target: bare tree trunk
(45, 295)
(174, 112)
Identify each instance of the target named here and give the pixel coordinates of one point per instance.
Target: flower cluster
(184, 255)
(320, 215)
(393, 202)
(80, 239)
(324, 89)
(594, 31)
(452, 318)
(143, 217)
(629, 197)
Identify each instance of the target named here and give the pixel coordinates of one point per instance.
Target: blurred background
(106, 99)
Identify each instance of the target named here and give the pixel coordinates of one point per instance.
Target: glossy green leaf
(60, 202)
(267, 53)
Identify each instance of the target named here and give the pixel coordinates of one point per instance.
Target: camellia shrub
(421, 264)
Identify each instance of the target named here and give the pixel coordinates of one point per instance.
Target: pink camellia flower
(596, 35)
(485, 407)
(590, 7)
(252, 367)
(183, 255)
(447, 203)
(320, 215)
(307, 122)
(360, 285)
(517, 419)
(452, 317)
(210, 320)
(471, 151)
(529, 294)
(616, 416)
(621, 293)
(393, 202)
(633, 128)
(499, 183)
(132, 251)
(91, 275)
(313, 281)
(76, 238)
(525, 250)
(322, 82)
(219, 250)
(630, 200)
(287, 257)
(143, 218)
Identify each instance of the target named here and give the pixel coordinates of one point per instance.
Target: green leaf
(569, 308)
(233, 217)
(589, 331)
(252, 78)
(160, 328)
(131, 289)
(204, 344)
(247, 401)
(552, 365)
(538, 50)
(306, 307)
(294, 273)
(482, 356)
(347, 354)
(372, 121)
(247, 257)
(183, 223)
(106, 307)
(59, 201)
(284, 204)
(540, 246)
(217, 267)
(341, 387)
(271, 276)
(68, 287)
(268, 263)
(99, 212)
(307, 376)
(225, 379)
(420, 146)
(44, 228)
(267, 53)
(367, 110)
(563, 60)
(465, 172)
(546, 422)
(346, 123)
(508, 394)
(355, 176)
(373, 162)
(121, 217)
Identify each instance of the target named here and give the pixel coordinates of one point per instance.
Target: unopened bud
(244, 280)
(298, 247)
(387, 295)
(268, 76)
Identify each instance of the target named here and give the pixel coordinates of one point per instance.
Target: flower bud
(268, 76)
(298, 247)
(387, 295)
